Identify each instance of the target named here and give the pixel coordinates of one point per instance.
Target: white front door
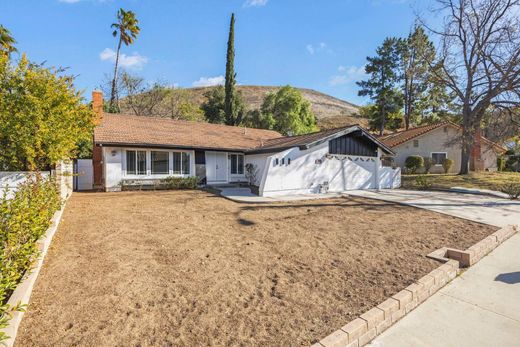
(216, 166)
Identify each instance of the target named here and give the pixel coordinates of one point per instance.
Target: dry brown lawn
(188, 268)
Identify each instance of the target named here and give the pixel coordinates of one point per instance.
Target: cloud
(134, 61)
(209, 81)
(347, 74)
(313, 49)
(255, 3)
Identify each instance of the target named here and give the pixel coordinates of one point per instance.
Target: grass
(481, 180)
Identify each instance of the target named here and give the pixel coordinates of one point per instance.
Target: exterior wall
(311, 169)
(115, 166)
(437, 140)
(259, 161)
(489, 157)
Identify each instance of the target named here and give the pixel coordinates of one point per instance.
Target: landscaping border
(364, 329)
(23, 291)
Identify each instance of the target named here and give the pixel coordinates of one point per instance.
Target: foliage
(447, 163)
(141, 97)
(512, 189)
(414, 163)
(214, 106)
(422, 182)
(428, 163)
(42, 116)
(383, 77)
(255, 119)
(501, 163)
(127, 28)
(23, 220)
(180, 182)
(394, 118)
(287, 111)
(234, 110)
(251, 173)
(7, 41)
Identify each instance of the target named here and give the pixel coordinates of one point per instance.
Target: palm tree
(6, 41)
(127, 28)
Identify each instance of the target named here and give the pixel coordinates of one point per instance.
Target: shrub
(447, 164)
(422, 182)
(511, 189)
(23, 220)
(180, 182)
(414, 163)
(501, 163)
(428, 163)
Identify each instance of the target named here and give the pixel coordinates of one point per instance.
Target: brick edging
(23, 290)
(364, 329)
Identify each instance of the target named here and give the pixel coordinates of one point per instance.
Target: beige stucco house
(440, 141)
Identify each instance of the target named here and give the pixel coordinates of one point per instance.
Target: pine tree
(233, 111)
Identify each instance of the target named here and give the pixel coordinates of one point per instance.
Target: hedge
(23, 220)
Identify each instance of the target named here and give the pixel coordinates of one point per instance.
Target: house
(132, 148)
(440, 141)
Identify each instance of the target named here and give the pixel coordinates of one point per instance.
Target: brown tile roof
(118, 129)
(400, 137)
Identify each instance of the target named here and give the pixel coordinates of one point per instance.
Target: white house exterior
(440, 141)
(144, 150)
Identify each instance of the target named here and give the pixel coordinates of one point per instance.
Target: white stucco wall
(311, 168)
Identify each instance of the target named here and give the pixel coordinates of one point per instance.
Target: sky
(316, 44)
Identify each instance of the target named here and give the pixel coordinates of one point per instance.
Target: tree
(479, 55)
(213, 107)
(417, 54)
(127, 28)
(287, 111)
(380, 87)
(42, 116)
(393, 117)
(7, 41)
(233, 110)
(142, 98)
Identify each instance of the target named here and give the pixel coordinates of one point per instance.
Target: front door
(216, 166)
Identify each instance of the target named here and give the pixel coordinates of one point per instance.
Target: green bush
(23, 220)
(422, 182)
(414, 163)
(428, 163)
(501, 163)
(447, 164)
(180, 182)
(511, 189)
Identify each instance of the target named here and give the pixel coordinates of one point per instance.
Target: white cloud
(347, 74)
(313, 49)
(255, 3)
(135, 61)
(310, 49)
(209, 81)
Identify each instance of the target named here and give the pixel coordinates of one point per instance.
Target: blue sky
(314, 44)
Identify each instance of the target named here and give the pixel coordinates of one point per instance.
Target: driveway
(480, 307)
(479, 208)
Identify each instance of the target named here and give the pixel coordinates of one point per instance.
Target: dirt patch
(192, 269)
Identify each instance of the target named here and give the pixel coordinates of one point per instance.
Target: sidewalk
(481, 307)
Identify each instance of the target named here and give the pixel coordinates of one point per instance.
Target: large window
(136, 162)
(181, 163)
(438, 158)
(237, 164)
(160, 162)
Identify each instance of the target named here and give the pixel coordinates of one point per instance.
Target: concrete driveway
(479, 208)
(480, 307)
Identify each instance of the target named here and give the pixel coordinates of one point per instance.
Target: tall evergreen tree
(417, 54)
(232, 109)
(383, 71)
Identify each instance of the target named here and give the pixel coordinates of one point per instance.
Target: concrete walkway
(244, 195)
(481, 307)
(479, 208)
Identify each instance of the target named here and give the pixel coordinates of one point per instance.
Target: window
(438, 158)
(237, 164)
(181, 163)
(160, 162)
(136, 162)
(416, 143)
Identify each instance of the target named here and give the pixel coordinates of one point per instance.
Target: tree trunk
(113, 91)
(467, 142)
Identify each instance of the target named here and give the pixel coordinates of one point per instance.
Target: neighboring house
(441, 141)
(131, 148)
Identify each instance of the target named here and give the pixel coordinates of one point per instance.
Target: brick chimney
(97, 105)
(476, 163)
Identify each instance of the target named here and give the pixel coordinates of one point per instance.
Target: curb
(23, 291)
(364, 329)
(475, 191)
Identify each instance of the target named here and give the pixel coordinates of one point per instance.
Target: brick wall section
(364, 329)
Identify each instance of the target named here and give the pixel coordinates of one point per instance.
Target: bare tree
(140, 96)
(480, 57)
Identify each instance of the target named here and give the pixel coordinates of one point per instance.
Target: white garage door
(85, 174)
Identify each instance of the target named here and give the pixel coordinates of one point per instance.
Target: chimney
(476, 163)
(97, 105)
